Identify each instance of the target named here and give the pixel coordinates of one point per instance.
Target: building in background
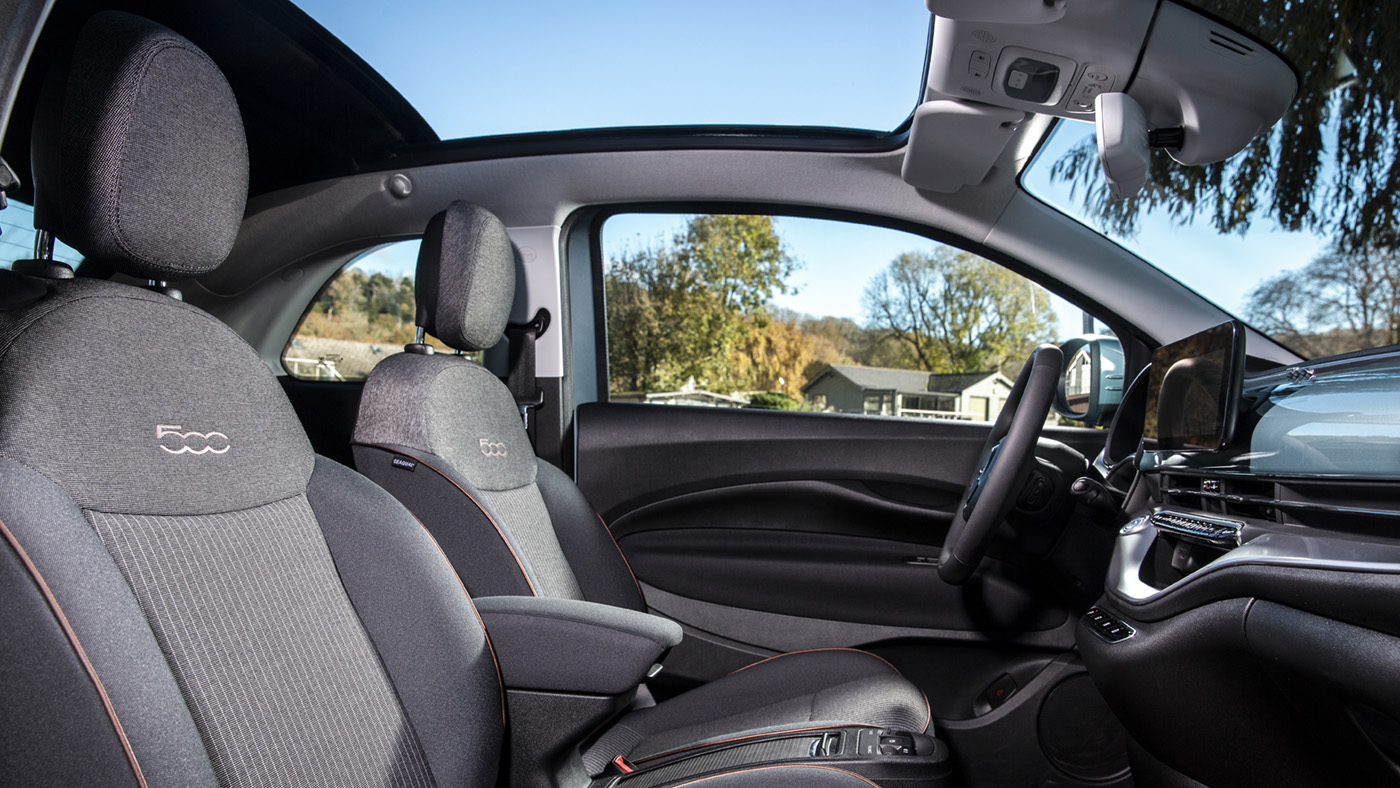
(969, 396)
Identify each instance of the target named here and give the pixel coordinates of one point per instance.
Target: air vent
(1355, 506)
(1226, 495)
(1231, 44)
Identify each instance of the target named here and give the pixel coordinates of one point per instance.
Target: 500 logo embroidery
(492, 448)
(172, 440)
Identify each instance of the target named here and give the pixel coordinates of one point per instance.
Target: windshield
(474, 69)
(1297, 235)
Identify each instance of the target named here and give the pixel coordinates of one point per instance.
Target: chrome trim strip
(1273, 549)
(1165, 520)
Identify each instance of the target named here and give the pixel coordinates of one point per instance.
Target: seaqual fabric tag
(406, 464)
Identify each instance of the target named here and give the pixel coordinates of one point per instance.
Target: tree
(344, 295)
(772, 400)
(382, 296)
(1329, 166)
(363, 308)
(1339, 302)
(952, 311)
(773, 357)
(685, 309)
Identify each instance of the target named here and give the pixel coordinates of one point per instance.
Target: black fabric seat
(191, 596)
(443, 435)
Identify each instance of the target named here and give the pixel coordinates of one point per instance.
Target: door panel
(837, 578)
(633, 455)
(769, 529)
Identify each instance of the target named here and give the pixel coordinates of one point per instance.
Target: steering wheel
(1003, 467)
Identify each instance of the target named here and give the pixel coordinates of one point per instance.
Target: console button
(1001, 690)
(1031, 80)
(1106, 626)
(896, 743)
(979, 65)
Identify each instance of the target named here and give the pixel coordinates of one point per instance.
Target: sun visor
(953, 144)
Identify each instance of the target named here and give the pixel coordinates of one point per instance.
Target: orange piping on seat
(716, 742)
(500, 684)
(77, 650)
(482, 509)
(811, 650)
(623, 555)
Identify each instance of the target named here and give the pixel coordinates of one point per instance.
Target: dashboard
(1249, 631)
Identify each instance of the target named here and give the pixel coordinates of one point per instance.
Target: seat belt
(520, 378)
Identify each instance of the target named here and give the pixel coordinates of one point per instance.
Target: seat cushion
(782, 776)
(802, 689)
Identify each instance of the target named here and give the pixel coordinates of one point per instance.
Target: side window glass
(17, 238)
(364, 315)
(816, 315)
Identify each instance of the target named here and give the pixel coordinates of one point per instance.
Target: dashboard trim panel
(1271, 549)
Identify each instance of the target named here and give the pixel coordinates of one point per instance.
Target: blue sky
(533, 65)
(1223, 267)
(475, 68)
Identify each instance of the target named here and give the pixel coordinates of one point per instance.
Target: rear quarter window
(364, 314)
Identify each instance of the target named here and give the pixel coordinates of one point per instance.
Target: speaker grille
(1079, 733)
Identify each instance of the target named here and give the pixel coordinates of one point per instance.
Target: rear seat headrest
(466, 277)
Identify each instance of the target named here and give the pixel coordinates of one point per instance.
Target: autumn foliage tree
(694, 307)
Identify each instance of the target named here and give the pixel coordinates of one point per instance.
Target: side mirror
(1092, 386)
(1123, 143)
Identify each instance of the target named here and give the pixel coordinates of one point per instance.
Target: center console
(569, 667)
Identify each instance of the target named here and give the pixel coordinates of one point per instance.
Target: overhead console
(1046, 59)
(1206, 87)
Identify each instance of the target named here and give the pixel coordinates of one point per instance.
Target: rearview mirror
(1092, 385)
(1123, 143)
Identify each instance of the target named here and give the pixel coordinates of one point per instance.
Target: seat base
(789, 693)
(856, 750)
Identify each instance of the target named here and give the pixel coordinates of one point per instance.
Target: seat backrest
(443, 435)
(192, 597)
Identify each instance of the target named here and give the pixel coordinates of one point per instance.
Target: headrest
(466, 277)
(153, 162)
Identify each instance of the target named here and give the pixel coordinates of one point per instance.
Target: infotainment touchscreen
(1194, 389)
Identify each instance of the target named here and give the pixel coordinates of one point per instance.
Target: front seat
(443, 434)
(191, 596)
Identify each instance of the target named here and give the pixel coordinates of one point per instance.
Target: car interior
(505, 542)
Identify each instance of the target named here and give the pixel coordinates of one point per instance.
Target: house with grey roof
(969, 396)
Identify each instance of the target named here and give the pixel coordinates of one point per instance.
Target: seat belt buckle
(621, 765)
